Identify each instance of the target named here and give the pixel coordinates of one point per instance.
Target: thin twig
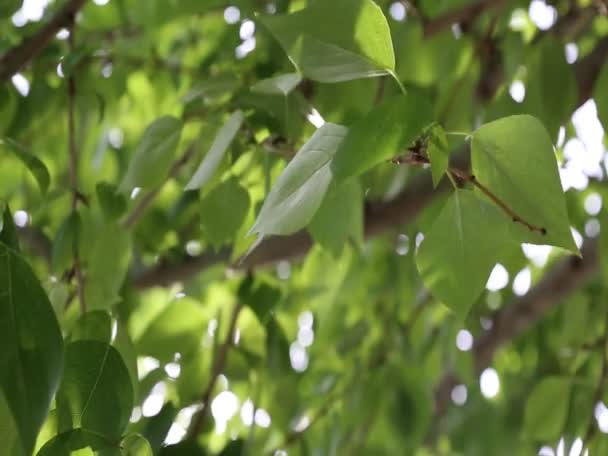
(73, 167)
(218, 366)
(131, 220)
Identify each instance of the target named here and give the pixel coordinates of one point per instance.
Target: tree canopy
(303, 227)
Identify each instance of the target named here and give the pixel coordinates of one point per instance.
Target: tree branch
(16, 58)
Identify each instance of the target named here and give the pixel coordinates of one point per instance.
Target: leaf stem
(459, 133)
(396, 78)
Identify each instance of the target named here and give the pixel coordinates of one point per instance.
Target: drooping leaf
(68, 443)
(216, 153)
(223, 211)
(382, 134)
(96, 393)
(358, 45)
(514, 158)
(33, 163)
(437, 150)
(301, 187)
(65, 244)
(153, 155)
(277, 85)
(340, 217)
(31, 359)
(108, 263)
(547, 409)
(460, 249)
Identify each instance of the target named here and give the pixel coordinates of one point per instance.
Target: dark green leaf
(158, 426)
(600, 95)
(135, 445)
(68, 443)
(65, 245)
(112, 203)
(437, 150)
(382, 134)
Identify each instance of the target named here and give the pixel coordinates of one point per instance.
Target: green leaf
(68, 443)
(183, 448)
(31, 358)
(437, 150)
(100, 326)
(33, 163)
(153, 155)
(223, 211)
(514, 158)
(301, 187)
(600, 95)
(277, 349)
(108, 263)
(8, 231)
(96, 393)
(382, 134)
(261, 297)
(216, 153)
(356, 46)
(177, 329)
(547, 409)
(340, 217)
(158, 427)
(65, 244)
(9, 7)
(113, 204)
(135, 445)
(461, 248)
(277, 85)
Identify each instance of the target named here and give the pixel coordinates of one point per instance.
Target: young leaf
(459, 251)
(547, 409)
(31, 358)
(33, 163)
(437, 150)
(340, 217)
(383, 133)
(217, 151)
(95, 393)
(277, 85)
(514, 158)
(223, 211)
(358, 45)
(153, 155)
(65, 244)
(301, 187)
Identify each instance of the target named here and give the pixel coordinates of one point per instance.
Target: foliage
(302, 227)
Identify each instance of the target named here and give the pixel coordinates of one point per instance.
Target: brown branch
(144, 203)
(16, 58)
(218, 366)
(514, 318)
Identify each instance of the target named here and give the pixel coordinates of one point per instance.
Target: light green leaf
(135, 445)
(33, 163)
(514, 158)
(153, 155)
(223, 211)
(100, 326)
(600, 95)
(340, 217)
(547, 409)
(68, 443)
(382, 134)
(95, 393)
(31, 358)
(277, 85)
(301, 187)
(358, 45)
(216, 153)
(108, 263)
(461, 248)
(437, 150)
(65, 244)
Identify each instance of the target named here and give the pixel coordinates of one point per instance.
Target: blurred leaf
(223, 212)
(95, 393)
(68, 443)
(33, 163)
(382, 134)
(357, 46)
(153, 155)
(216, 153)
(135, 445)
(600, 95)
(112, 203)
(514, 157)
(158, 426)
(438, 153)
(277, 85)
(260, 296)
(31, 359)
(184, 448)
(547, 409)
(301, 187)
(65, 245)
